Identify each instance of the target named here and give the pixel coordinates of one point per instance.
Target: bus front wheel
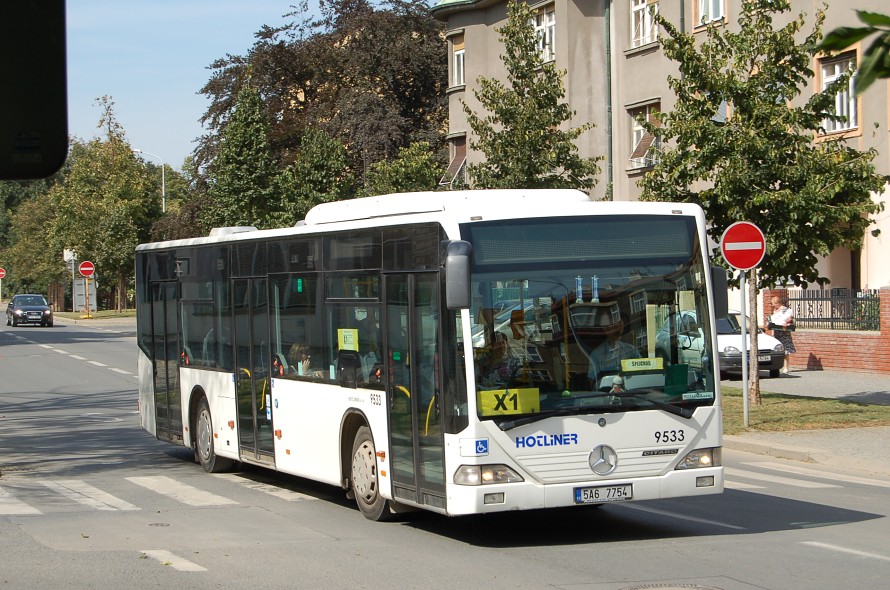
(204, 453)
(365, 483)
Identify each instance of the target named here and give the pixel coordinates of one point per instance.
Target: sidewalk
(863, 449)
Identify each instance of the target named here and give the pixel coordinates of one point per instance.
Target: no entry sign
(86, 268)
(743, 245)
(2, 273)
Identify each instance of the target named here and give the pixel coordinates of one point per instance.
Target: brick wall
(847, 350)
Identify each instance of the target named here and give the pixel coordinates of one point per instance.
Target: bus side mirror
(720, 285)
(457, 275)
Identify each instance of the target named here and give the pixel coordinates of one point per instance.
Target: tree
(320, 174)
(767, 162)
(876, 59)
(242, 177)
(416, 169)
(106, 204)
(522, 137)
(33, 258)
(372, 75)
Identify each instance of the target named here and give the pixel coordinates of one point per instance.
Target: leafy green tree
(418, 168)
(767, 162)
(876, 59)
(320, 174)
(33, 258)
(242, 177)
(106, 204)
(523, 136)
(372, 75)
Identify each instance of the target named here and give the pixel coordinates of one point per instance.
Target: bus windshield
(589, 315)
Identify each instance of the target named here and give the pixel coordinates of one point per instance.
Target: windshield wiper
(510, 424)
(669, 408)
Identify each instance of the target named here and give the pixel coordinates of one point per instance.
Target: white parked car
(770, 353)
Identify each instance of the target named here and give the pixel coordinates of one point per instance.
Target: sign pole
(744, 348)
(743, 245)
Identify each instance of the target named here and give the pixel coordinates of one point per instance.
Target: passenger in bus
(606, 358)
(498, 367)
(299, 359)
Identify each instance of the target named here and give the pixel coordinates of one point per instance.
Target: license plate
(600, 494)
(764, 358)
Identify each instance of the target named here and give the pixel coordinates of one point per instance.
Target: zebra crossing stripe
(179, 491)
(174, 561)
(11, 506)
(259, 486)
(798, 483)
(84, 493)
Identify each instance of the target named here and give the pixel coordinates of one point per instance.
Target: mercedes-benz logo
(603, 459)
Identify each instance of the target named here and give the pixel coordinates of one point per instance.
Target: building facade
(616, 70)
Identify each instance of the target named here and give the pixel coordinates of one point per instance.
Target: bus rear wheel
(364, 480)
(204, 453)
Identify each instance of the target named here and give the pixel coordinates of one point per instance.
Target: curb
(802, 454)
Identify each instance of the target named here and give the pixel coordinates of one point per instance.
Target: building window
(457, 62)
(845, 104)
(545, 31)
(710, 11)
(646, 145)
(456, 175)
(642, 22)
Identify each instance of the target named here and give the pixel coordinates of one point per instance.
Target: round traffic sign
(2, 273)
(86, 268)
(743, 245)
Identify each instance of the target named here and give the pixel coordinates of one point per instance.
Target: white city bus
(444, 350)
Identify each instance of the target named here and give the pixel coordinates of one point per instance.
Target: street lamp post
(163, 179)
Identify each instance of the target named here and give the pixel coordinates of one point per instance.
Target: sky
(151, 57)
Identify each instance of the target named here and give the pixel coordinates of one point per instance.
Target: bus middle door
(253, 386)
(412, 359)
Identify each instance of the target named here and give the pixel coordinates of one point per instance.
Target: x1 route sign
(86, 268)
(743, 245)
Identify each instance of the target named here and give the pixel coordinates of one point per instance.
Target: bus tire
(204, 453)
(364, 481)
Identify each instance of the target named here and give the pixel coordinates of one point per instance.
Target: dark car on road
(29, 309)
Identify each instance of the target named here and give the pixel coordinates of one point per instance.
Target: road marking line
(814, 473)
(682, 516)
(737, 485)
(10, 505)
(121, 371)
(846, 550)
(60, 351)
(259, 486)
(798, 483)
(97, 363)
(47, 346)
(84, 493)
(179, 491)
(77, 358)
(174, 561)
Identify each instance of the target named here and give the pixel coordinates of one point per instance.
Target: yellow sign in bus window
(503, 402)
(645, 364)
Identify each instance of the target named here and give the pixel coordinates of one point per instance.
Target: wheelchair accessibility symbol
(482, 446)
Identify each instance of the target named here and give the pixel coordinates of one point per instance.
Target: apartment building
(616, 70)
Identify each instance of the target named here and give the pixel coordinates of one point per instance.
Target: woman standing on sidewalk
(781, 319)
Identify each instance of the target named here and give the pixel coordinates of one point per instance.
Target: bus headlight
(701, 458)
(480, 475)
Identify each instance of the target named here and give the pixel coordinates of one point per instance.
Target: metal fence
(837, 309)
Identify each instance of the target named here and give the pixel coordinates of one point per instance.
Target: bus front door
(412, 345)
(252, 375)
(167, 350)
